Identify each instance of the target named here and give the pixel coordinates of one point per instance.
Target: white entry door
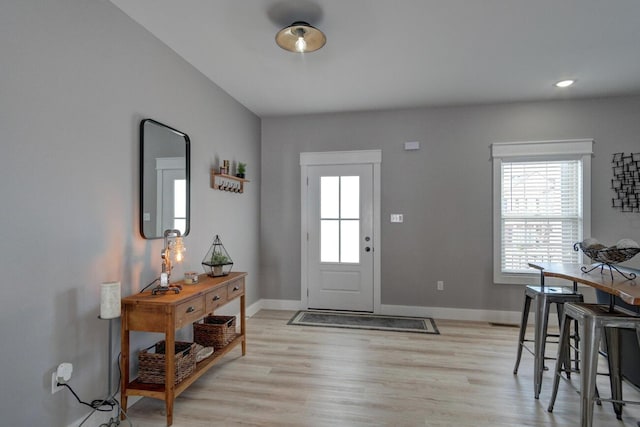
(174, 200)
(340, 246)
(171, 194)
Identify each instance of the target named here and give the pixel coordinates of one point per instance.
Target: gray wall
(76, 78)
(444, 190)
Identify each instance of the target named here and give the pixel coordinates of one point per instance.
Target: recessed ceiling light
(565, 83)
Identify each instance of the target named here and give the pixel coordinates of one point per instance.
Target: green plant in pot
(241, 169)
(218, 260)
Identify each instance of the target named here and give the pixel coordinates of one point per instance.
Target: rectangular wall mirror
(164, 179)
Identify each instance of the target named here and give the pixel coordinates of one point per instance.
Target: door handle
(367, 249)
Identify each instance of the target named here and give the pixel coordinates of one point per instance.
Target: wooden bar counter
(627, 290)
(166, 313)
(616, 286)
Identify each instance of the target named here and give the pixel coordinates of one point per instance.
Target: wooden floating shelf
(224, 182)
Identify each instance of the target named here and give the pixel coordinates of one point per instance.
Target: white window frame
(575, 149)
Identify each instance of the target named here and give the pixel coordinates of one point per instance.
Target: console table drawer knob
(191, 309)
(235, 289)
(216, 297)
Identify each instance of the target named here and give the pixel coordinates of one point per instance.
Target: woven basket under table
(151, 368)
(215, 331)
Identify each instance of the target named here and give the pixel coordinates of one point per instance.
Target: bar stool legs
(612, 342)
(595, 323)
(543, 303)
(589, 353)
(543, 297)
(523, 330)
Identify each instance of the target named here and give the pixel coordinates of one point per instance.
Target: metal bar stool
(543, 296)
(595, 321)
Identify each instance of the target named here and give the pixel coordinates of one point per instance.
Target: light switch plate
(397, 218)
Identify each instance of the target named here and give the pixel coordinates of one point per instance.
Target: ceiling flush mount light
(564, 83)
(300, 37)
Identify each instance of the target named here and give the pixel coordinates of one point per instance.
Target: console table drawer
(189, 311)
(215, 299)
(235, 289)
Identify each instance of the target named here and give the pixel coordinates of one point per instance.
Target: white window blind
(541, 213)
(541, 205)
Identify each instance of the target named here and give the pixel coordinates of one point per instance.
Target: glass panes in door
(340, 219)
(180, 204)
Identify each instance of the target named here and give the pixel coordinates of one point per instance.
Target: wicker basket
(215, 331)
(151, 367)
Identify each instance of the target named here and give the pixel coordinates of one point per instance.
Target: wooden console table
(168, 313)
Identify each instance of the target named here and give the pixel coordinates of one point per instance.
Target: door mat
(422, 325)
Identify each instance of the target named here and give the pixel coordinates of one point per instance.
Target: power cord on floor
(113, 422)
(100, 404)
(95, 404)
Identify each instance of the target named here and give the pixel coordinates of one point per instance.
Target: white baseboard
(281, 304)
(449, 313)
(495, 316)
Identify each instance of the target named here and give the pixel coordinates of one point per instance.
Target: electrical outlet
(440, 285)
(54, 383)
(61, 375)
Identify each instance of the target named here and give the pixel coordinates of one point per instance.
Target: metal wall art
(626, 182)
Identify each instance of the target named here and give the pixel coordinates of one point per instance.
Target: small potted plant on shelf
(241, 170)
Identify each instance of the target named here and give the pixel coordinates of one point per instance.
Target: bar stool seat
(543, 296)
(595, 322)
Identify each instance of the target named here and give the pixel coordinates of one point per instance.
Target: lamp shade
(110, 300)
(300, 37)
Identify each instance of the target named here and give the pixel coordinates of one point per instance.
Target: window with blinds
(541, 205)
(541, 213)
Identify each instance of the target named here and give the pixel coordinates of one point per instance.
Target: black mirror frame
(141, 177)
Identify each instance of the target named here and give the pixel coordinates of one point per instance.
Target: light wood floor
(313, 376)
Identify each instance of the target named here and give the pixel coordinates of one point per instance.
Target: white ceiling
(385, 54)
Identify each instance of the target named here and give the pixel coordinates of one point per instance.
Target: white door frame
(373, 157)
(163, 164)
